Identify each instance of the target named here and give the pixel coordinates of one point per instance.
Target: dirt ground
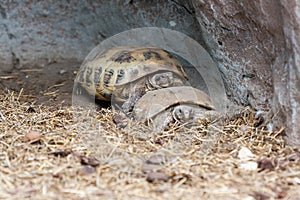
(47, 85)
(49, 150)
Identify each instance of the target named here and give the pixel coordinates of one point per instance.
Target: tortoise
(124, 74)
(167, 105)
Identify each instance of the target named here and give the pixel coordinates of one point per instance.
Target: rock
(157, 159)
(147, 168)
(84, 160)
(256, 46)
(157, 176)
(32, 136)
(249, 165)
(287, 87)
(86, 170)
(245, 154)
(267, 164)
(246, 159)
(69, 30)
(154, 164)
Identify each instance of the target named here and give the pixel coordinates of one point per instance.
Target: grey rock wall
(245, 41)
(287, 92)
(256, 46)
(34, 32)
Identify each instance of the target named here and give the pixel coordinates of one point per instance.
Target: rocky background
(254, 43)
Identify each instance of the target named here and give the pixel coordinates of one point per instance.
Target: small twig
(31, 70)
(57, 85)
(2, 116)
(51, 93)
(7, 77)
(130, 117)
(20, 93)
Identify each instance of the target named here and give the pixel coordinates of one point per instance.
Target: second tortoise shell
(157, 101)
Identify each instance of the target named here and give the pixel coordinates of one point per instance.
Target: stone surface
(245, 41)
(288, 93)
(5, 49)
(256, 46)
(34, 32)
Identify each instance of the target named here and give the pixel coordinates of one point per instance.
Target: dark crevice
(189, 8)
(102, 35)
(129, 2)
(15, 60)
(11, 36)
(3, 12)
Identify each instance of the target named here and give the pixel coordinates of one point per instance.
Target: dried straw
(75, 154)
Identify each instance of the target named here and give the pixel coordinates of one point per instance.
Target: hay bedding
(50, 153)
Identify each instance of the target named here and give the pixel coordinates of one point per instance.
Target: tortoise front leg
(133, 98)
(162, 121)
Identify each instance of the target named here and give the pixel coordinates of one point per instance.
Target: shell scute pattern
(97, 74)
(118, 70)
(155, 102)
(88, 74)
(120, 75)
(108, 74)
(124, 56)
(152, 54)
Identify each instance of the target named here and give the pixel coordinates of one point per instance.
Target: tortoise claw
(120, 119)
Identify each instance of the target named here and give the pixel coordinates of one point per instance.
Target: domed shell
(157, 101)
(106, 72)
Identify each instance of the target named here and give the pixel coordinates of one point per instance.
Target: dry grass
(59, 153)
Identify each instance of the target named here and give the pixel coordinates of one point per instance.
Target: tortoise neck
(149, 85)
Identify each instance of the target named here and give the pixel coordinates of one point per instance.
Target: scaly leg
(132, 99)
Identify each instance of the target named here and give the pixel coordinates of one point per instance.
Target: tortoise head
(183, 113)
(161, 80)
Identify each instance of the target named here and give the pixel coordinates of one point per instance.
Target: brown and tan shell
(107, 73)
(158, 101)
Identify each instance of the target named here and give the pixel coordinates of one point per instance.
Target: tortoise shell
(158, 101)
(107, 73)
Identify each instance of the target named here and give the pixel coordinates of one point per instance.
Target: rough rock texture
(5, 47)
(34, 32)
(288, 91)
(256, 44)
(241, 37)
